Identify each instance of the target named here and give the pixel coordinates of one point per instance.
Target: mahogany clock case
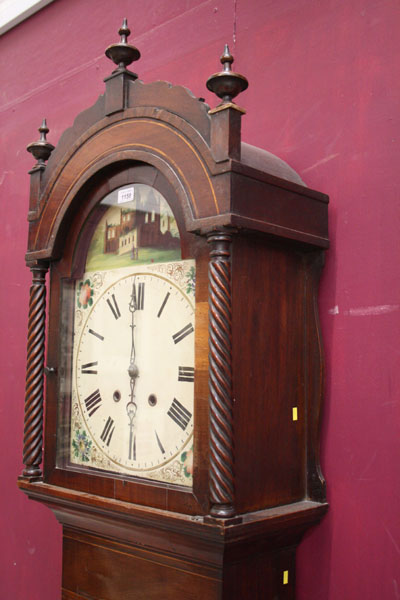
(258, 236)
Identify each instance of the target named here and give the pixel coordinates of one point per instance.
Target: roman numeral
(96, 334)
(93, 402)
(138, 297)
(85, 369)
(108, 431)
(185, 374)
(114, 307)
(159, 443)
(163, 305)
(178, 337)
(179, 414)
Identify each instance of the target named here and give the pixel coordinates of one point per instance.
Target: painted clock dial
(132, 380)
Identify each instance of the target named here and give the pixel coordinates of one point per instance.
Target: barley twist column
(33, 423)
(220, 376)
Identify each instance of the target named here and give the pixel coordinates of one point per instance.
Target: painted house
(117, 236)
(140, 229)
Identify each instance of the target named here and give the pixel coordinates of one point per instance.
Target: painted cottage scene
(137, 227)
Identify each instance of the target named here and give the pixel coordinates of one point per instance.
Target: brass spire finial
(227, 84)
(122, 53)
(41, 149)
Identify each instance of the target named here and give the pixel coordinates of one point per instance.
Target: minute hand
(133, 372)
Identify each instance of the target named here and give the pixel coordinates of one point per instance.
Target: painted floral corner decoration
(82, 445)
(191, 281)
(187, 460)
(85, 294)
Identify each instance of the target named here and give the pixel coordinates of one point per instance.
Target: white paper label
(126, 195)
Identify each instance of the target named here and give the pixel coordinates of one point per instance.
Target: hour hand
(133, 371)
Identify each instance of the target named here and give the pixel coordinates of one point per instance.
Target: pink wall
(324, 96)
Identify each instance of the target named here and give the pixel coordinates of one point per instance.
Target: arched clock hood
(134, 121)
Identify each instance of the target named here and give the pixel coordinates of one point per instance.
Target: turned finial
(227, 84)
(122, 53)
(41, 149)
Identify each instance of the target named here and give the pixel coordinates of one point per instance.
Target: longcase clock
(184, 369)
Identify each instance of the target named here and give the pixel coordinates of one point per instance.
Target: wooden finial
(41, 149)
(227, 59)
(227, 84)
(122, 53)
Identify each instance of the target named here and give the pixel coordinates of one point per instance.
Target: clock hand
(131, 410)
(133, 308)
(133, 372)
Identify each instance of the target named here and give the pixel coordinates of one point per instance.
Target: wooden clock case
(258, 236)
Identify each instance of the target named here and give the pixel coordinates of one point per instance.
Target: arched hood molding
(200, 153)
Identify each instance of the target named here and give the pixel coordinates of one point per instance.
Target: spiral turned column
(33, 424)
(222, 493)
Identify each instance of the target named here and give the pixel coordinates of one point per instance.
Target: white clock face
(133, 371)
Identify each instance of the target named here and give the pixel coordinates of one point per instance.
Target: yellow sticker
(285, 577)
(294, 412)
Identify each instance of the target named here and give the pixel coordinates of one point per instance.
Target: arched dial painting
(128, 344)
